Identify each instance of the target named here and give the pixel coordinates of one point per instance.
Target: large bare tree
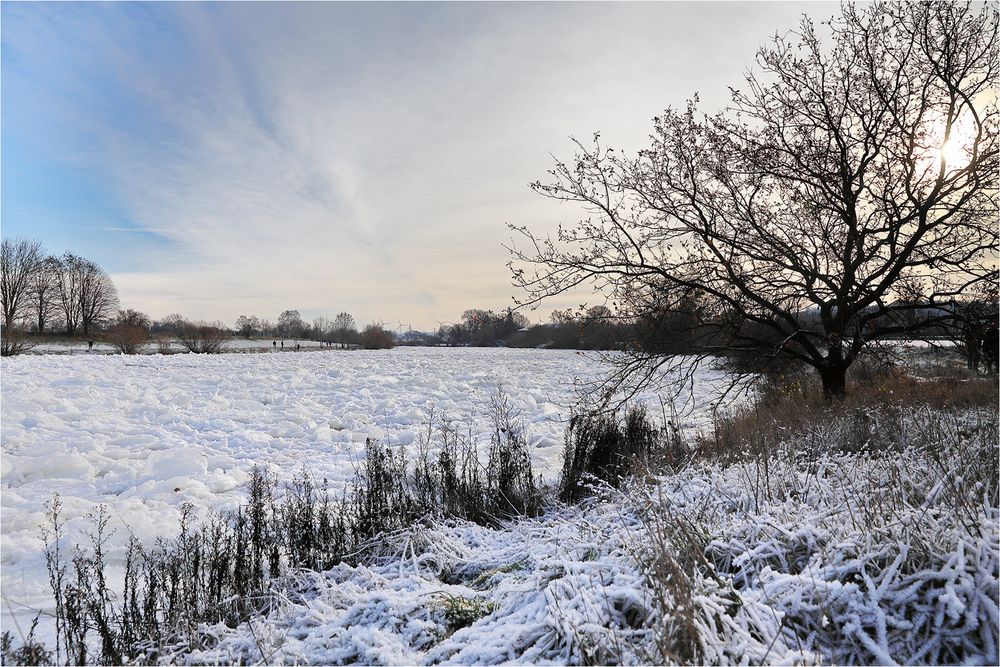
(44, 285)
(19, 259)
(852, 181)
(68, 290)
(343, 329)
(97, 294)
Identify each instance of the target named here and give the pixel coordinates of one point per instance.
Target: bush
(376, 337)
(600, 447)
(129, 332)
(14, 341)
(202, 337)
(789, 405)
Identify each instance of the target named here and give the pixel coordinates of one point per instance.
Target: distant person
(282, 345)
(275, 344)
(298, 347)
(90, 346)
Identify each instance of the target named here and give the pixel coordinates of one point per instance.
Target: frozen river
(144, 434)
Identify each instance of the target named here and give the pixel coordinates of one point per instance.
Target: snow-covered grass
(815, 555)
(817, 551)
(145, 434)
(812, 548)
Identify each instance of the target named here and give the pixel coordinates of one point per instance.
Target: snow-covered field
(144, 434)
(234, 345)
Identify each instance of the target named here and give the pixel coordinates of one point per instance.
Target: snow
(820, 555)
(232, 345)
(841, 558)
(144, 434)
(578, 577)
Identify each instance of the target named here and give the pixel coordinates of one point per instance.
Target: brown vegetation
(202, 337)
(788, 405)
(376, 337)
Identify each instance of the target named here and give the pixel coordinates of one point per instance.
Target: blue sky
(230, 158)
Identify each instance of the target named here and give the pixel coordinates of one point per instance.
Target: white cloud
(327, 156)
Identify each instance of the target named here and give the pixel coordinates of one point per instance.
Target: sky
(222, 159)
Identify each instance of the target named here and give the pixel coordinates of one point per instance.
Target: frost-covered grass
(865, 533)
(815, 555)
(146, 434)
(819, 550)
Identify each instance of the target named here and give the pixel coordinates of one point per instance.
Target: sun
(954, 146)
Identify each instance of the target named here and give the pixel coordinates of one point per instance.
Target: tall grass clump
(458, 484)
(860, 532)
(602, 448)
(228, 567)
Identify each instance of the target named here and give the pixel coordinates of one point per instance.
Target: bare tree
(290, 324)
(44, 286)
(344, 330)
(322, 328)
(841, 178)
(973, 330)
(248, 325)
(19, 259)
(97, 294)
(68, 280)
(172, 323)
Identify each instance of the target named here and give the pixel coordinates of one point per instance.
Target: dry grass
(802, 528)
(788, 406)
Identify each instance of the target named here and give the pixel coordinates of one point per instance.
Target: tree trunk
(834, 381)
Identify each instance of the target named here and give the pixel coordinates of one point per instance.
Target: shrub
(130, 331)
(202, 337)
(376, 337)
(600, 447)
(14, 341)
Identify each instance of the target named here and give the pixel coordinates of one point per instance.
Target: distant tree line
(482, 328)
(341, 331)
(593, 328)
(69, 294)
(687, 324)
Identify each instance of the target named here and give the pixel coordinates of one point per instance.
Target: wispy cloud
(328, 156)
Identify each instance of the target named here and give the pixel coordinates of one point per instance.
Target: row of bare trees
(44, 292)
(341, 330)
